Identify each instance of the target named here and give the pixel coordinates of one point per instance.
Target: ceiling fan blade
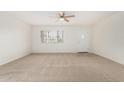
(61, 14)
(66, 19)
(70, 16)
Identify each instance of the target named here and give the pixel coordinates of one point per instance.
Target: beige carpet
(62, 67)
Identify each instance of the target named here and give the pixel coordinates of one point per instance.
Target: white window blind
(52, 36)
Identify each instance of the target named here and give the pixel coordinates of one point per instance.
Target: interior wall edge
(13, 58)
(15, 38)
(108, 36)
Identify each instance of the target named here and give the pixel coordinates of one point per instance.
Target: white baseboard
(112, 58)
(37, 51)
(12, 58)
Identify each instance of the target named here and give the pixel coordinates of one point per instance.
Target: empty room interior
(61, 46)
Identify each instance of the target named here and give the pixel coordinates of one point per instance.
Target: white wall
(72, 39)
(15, 38)
(108, 38)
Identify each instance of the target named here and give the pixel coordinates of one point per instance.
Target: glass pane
(52, 36)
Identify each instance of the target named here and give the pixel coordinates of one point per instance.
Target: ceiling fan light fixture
(61, 19)
(64, 17)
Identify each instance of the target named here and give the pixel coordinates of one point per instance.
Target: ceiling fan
(64, 17)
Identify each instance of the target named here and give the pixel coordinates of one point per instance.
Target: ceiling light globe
(61, 19)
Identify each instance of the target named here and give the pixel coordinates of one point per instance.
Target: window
(52, 36)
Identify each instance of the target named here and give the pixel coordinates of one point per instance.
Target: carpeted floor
(62, 67)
